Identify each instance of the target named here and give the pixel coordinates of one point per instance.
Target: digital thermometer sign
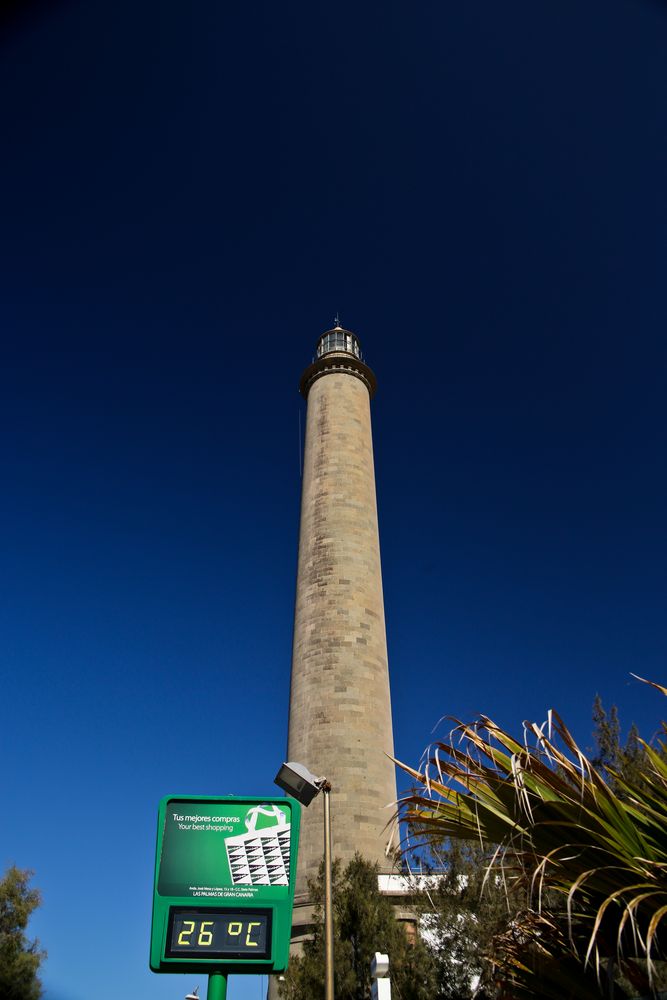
(224, 884)
(219, 933)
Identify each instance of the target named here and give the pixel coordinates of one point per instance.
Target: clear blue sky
(190, 193)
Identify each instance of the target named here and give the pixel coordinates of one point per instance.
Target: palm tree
(589, 854)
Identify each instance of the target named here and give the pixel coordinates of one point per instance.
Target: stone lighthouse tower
(340, 708)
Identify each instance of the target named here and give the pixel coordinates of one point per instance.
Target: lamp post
(302, 785)
(328, 897)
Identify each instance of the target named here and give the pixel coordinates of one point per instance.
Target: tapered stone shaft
(340, 709)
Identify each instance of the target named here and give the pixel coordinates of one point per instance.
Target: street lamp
(301, 784)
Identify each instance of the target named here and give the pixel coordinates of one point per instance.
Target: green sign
(224, 884)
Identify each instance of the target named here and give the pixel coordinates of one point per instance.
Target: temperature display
(218, 933)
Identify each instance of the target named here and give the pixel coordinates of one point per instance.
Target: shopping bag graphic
(261, 856)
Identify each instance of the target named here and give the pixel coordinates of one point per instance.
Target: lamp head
(379, 966)
(297, 781)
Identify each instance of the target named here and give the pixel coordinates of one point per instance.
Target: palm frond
(565, 831)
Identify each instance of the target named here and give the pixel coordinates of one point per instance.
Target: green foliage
(364, 922)
(585, 847)
(615, 760)
(19, 958)
(462, 912)
(607, 735)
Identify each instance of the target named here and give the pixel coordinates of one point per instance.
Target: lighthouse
(340, 722)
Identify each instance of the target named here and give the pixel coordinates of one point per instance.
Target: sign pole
(217, 986)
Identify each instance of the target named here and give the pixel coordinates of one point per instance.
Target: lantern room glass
(339, 340)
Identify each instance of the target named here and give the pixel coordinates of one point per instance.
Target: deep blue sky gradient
(190, 193)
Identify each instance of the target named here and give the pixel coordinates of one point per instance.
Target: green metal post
(217, 986)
